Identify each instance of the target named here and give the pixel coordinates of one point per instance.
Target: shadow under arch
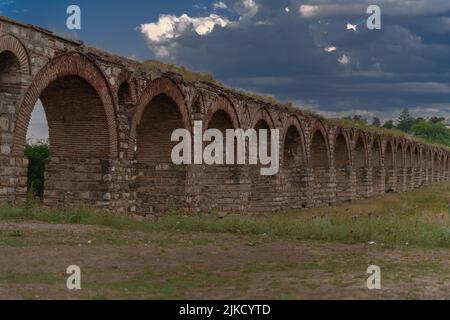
(342, 166)
(361, 167)
(320, 167)
(294, 168)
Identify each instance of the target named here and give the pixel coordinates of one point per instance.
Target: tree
(376, 122)
(405, 121)
(389, 125)
(433, 132)
(436, 120)
(359, 118)
(37, 154)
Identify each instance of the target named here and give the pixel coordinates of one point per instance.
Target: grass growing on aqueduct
(419, 218)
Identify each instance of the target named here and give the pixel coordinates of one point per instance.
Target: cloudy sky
(295, 50)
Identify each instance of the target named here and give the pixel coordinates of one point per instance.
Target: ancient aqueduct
(110, 125)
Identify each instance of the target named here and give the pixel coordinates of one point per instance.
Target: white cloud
(163, 33)
(308, 11)
(247, 9)
(169, 26)
(330, 49)
(344, 59)
(220, 6)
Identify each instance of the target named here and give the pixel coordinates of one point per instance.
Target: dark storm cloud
(265, 47)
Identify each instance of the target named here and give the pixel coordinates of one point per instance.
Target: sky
(294, 50)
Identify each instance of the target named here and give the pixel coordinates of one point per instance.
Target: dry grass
(349, 123)
(419, 218)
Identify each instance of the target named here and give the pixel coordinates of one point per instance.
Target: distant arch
(12, 44)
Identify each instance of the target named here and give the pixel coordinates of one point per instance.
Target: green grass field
(419, 218)
(319, 253)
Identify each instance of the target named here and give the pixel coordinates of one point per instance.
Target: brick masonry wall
(110, 122)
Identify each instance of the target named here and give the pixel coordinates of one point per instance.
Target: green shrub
(37, 154)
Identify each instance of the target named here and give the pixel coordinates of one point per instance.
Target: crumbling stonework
(110, 124)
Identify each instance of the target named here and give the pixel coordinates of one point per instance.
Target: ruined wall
(110, 124)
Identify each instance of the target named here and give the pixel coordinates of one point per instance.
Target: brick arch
(293, 123)
(159, 87)
(409, 161)
(221, 103)
(400, 153)
(416, 155)
(66, 65)
(376, 161)
(388, 152)
(360, 137)
(12, 44)
(263, 115)
(376, 164)
(342, 163)
(429, 158)
(319, 129)
(342, 159)
(126, 78)
(443, 165)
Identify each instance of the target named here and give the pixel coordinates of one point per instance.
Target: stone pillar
(378, 181)
(391, 180)
(364, 185)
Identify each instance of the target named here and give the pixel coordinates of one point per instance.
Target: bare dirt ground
(129, 265)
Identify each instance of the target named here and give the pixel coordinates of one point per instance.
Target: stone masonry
(110, 124)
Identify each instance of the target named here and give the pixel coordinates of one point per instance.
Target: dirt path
(124, 265)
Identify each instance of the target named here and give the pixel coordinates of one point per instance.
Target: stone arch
(399, 154)
(342, 165)
(220, 179)
(416, 165)
(263, 115)
(429, 166)
(66, 66)
(126, 91)
(320, 166)
(409, 166)
(389, 166)
(79, 108)
(160, 184)
(378, 174)
(443, 167)
(360, 158)
(360, 166)
(222, 103)
(161, 87)
(400, 164)
(435, 166)
(12, 44)
(14, 76)
(294, 151)
(408, 155)
(294, 164)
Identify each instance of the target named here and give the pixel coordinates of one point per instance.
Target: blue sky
(109, 24)
(295, 50)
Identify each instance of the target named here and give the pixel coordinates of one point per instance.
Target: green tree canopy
(405, 121)
(433, 132)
